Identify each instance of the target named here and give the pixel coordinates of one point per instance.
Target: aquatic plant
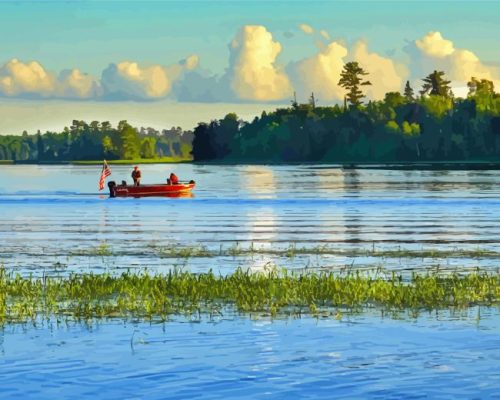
(236, 250)
(146, 296)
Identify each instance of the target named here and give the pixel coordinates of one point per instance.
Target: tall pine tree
(351, 79)
(436, 85)
(408, 93)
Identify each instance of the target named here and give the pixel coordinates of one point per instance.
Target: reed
(157, 297)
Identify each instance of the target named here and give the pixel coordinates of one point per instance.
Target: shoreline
(396, 165)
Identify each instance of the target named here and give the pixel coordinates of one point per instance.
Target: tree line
(431, 126)
(96, 141)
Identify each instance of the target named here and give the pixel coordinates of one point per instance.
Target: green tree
(408, 93)
(131, 143)
(394, 99)
(436, 85)
(482, 87)
(351, 78)
(148, 146)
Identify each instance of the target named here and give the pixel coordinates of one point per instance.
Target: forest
(93, 141)
(430, 126)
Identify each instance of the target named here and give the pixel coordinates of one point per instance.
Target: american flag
(106, 171)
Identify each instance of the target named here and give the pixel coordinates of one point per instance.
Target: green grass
(273, 293)
(6, 162)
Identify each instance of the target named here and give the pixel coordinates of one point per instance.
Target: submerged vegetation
(157, 297)
(292, 250)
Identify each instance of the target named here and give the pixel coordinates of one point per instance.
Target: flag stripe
(106, 171)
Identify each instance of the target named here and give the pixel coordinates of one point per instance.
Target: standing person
(173, 180)
(136, 176)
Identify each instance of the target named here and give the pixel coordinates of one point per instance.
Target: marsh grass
(103, 249)
(291, 251)
(274, 293)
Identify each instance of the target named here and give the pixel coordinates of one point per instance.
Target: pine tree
(351, 79)
(436, 85)
(408, 93)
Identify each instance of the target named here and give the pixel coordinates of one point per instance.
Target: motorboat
(181, 189)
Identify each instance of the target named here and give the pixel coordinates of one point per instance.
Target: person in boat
(136, 176)
(173, 180)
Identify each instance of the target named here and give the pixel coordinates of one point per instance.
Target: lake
(54, 221)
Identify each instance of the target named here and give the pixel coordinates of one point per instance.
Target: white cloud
(19, 79)
(433, 52)
(321, 73)
(307, 29)
(253, 74)
(434, 45)
(25, 79)
(76, 84)
(129, 80)
(385, 74)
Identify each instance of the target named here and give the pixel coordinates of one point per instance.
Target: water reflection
(258, 181)
(272, 206)
(261, 235)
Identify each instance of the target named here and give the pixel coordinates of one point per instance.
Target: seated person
(173, 180)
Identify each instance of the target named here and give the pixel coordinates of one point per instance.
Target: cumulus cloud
(25, 79)
(320, 73)
(253, 73)
(434, 45)
(76, 84)
(385, 74)
(31, 80)
(433, 52)
(129, 80)
(307, 29)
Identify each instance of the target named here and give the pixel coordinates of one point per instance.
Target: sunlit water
(53, 221)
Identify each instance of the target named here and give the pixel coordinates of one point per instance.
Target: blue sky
(202, 51)
(90, 34)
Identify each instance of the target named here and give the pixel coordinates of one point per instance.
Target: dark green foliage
(433, 128)
(96, 141)
(408, 93)
(351, 79)
(436, 85)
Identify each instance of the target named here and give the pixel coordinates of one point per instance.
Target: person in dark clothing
(136, 176)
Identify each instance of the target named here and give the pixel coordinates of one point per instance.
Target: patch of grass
(101, 250)
(145, 296)
(236, 250)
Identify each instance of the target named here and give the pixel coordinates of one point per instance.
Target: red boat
(182, 189)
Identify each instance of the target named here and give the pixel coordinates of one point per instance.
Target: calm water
(53, 220)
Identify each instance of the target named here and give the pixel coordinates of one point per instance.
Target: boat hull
(178, 190)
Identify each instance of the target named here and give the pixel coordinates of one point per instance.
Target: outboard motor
(112, 188)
